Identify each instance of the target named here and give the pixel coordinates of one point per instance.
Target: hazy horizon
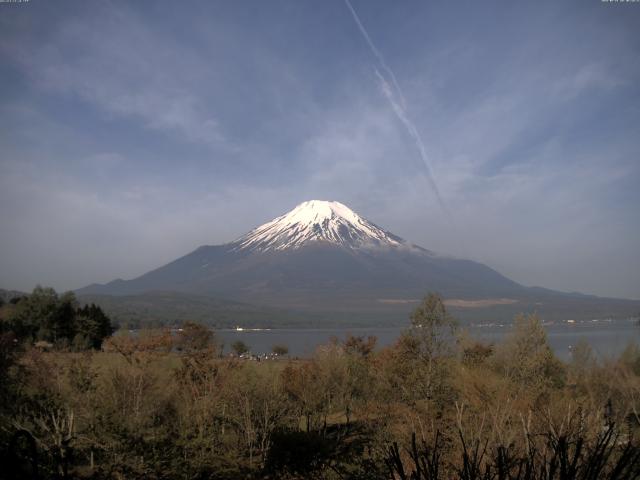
(134, 132)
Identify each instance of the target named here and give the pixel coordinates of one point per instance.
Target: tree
(360, 346)
(582, 358)
(93, 325)
(630, 357)
(433, 326)
(44, 315)
(16, 300)
(194, 338)
(62, 323)
(306, 388)
(476, 353)
(258, 405)
(526, 358)
(239, 347)
(40, 316)
(142, 348)
(420, 360)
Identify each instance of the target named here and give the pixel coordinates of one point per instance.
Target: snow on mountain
(367, 271)
(318, 221)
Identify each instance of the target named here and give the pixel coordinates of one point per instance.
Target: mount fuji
(318, 221)
(322, 256)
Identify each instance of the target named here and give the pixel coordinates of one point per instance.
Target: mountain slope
(171, 308)
(319, 252)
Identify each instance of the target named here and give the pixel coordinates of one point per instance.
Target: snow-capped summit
(320, 255)
(318, 221)
(360, 269)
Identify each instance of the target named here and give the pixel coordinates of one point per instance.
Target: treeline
(435, 405)
(56, 321)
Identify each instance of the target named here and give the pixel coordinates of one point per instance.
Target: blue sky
(134, 131)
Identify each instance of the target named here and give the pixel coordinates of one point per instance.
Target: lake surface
(608, 338)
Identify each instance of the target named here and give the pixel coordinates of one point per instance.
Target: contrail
(377, 53)
(413, 132)
(394, 96)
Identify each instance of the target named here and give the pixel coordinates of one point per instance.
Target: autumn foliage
(435, 405)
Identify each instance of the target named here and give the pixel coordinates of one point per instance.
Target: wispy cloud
(121, 70)
(134, 131)
(393, 93)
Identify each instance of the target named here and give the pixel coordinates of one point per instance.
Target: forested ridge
(79, 402)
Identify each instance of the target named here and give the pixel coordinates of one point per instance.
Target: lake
(607, 338)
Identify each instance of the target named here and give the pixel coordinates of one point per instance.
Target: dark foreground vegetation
(436, 405)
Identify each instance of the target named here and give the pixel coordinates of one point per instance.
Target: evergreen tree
(44, 315)
(93, 325)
